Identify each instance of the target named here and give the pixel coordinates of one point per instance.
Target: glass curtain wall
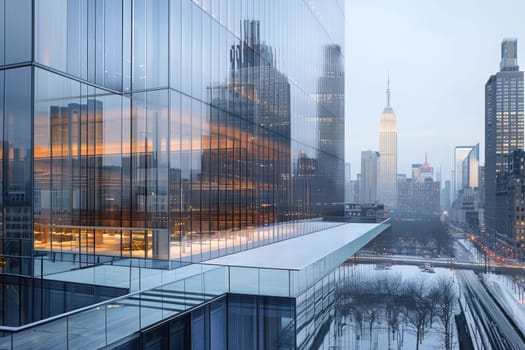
(172, 129)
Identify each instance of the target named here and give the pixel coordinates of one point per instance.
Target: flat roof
(299, 252)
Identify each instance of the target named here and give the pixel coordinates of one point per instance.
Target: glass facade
(231, 322)
(169, 130)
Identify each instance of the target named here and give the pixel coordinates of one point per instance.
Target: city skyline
(429, 63)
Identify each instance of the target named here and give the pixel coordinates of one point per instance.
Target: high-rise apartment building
(148, 146)
(387, 180)
(503, 122)
(369, 177)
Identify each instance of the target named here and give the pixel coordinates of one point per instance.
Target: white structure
(387, 180)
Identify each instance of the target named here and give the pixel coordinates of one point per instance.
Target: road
(493, 324)
(510, 269)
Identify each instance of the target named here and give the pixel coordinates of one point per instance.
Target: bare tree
(445, 308)
(416, 308)
(433, 296)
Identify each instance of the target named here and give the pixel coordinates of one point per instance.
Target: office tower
(422, 172)
(348, 182)
(503, 122)
(446, 195)
(470, 169)
(387, 181)
(142, 138)
(419, 198)
(460, 153)
(467, 207)
(420, 195)
(510, 196)
(369, 177)
(357, 188)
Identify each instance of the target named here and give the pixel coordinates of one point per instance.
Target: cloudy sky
(439, 53)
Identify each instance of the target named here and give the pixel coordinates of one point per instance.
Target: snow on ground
(346, 336)
(508, 296)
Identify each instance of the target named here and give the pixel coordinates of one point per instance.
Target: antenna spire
(388, 91)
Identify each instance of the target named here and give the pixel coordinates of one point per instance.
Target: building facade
(149, 136)
(368, 183)
(387, 179)
(510, 196)
(503, 122)
(419, 198)
(445, 195)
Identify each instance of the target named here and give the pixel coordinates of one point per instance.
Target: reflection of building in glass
(139, 162)
(248, 160)
(387, 179)
(331, 130)
(306, 184)
(503, 122)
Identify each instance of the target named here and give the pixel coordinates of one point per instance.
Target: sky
(440, 54)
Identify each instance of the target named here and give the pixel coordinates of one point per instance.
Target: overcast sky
(440, 53)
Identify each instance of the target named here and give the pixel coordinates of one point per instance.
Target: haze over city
(439, 54)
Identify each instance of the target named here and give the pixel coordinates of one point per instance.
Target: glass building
(503, 125)
(165, 130)
(143, 139)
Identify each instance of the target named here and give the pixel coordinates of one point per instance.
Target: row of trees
(416, 304)
(414, 237)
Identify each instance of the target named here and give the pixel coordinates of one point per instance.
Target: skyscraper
(503, 122)
(460, 153)
(387, 181)
(369, 176)
(470, 169)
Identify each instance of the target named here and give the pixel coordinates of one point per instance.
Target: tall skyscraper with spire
(503, 123)
(387, 184)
